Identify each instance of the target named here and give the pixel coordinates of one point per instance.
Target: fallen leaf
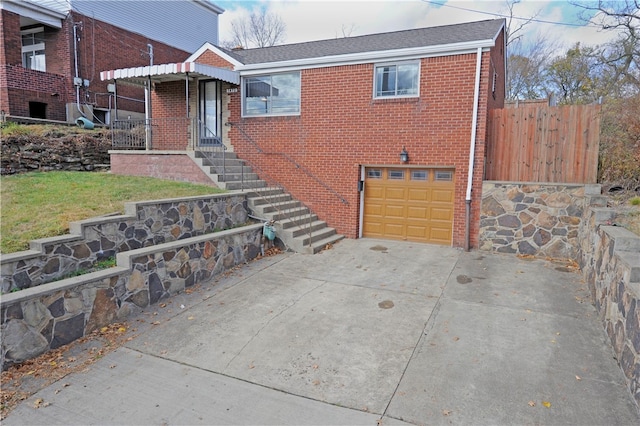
(316, 382)
(446, 412)
(578, 378)
(191, 318)
(53, 363)
(122, 329)
(163, 305)
(546, 404)
(66, 385)
(155, 323)
(455, 339)
(315, 366)
(251, 366)
(112, 366)
(553, 340)
(37, 403)
(532, 404)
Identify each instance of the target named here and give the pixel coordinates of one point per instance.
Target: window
(444, 176)
(277, 94)
(33, 49)
(419, 175)
(396, 174)
(374, 174)
(397, 80)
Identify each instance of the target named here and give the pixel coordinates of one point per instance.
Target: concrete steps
(297, 227)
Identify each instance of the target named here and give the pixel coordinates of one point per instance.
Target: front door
(210, 114)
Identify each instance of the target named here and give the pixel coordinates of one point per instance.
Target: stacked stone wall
(46, 317)
(144, 224)
(80, 152)
(610, 263)
(533, 218)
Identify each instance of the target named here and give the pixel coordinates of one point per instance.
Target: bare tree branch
(260, 29)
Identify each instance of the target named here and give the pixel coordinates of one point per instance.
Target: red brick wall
(164, 166)
(169, 107)
(101, 47)
(209, 58)
(342, 127)
(10, 41)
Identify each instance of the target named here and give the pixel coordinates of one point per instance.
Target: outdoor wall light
(404, 155)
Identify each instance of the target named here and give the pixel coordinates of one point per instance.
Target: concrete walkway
(368, 332)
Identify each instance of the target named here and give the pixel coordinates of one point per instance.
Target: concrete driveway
(368, 332)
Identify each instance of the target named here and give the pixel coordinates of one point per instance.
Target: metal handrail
(273, 182)
(205, 150)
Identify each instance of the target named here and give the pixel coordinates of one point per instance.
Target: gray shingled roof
(432, 36)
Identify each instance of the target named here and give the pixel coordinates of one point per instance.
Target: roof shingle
(431, 36)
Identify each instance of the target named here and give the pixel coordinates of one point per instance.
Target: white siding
(185, 24)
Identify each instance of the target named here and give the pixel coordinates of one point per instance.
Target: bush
(619, 159)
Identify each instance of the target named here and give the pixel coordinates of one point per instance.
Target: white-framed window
(276, 94)
(397, 80)
(33, 49)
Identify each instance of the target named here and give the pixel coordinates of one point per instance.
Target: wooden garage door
(409, 204)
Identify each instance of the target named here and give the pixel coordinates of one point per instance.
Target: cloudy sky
(308, 20)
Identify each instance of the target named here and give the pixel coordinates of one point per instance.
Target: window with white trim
(277, 94)
(397, 80)
(33, 49)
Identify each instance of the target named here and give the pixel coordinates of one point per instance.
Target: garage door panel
(374, 228)
(414, 212)
(417, 209)
(418, 194)
(440, 234)
(398, 194)
(395, 229)
(372, 191)
(417, 232)
(395, 211)
(442, 195)
(439, 213)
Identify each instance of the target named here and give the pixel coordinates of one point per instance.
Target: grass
(39, 205)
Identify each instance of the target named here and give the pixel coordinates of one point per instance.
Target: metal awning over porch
(140, 76)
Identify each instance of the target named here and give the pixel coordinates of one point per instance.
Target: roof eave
(37, 12)
(169, 72)
(375, 56)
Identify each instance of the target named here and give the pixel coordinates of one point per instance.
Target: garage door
(409, 204)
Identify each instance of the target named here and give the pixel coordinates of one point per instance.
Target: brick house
(380, 135)
(51, 52)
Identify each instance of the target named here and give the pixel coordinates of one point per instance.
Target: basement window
(33, 49)
(397, 80)
(277, 94)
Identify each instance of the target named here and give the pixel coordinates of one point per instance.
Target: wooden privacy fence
(543, 144)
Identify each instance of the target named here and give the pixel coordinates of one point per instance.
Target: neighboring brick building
(45, 73)
(343, 111)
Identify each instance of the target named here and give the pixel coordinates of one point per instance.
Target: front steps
(297, 227)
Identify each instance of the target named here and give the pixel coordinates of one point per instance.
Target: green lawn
(39, 205)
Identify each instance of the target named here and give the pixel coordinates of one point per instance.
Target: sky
(308, 20)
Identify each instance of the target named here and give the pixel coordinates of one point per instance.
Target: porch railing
(154, 133)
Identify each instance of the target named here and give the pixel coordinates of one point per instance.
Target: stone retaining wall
(143, 224)
(610, 263)
(48, 316)
(533, 218)
(87, 151)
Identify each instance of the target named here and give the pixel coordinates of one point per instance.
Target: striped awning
(169, 72)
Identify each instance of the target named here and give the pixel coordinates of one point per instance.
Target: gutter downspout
(472, 153)
(147, 103)
(75, 57)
